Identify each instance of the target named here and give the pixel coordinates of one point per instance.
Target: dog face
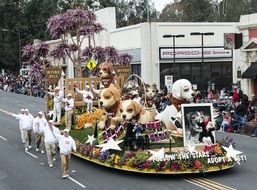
(109, 96)
(105, 70)
(182, 89)
(194, 118)
(151, 91)
(130, 109)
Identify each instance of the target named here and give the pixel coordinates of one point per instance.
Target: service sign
(53, 75)
(194, 53)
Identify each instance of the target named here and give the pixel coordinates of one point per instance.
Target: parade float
(124, 130)
(159, 148)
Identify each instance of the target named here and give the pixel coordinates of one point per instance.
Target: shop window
(207, 73)
(136, 69)
(226, 69)
(164, 70)
(185, 71)
(196, 74)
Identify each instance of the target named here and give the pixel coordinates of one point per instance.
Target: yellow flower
(117, 159)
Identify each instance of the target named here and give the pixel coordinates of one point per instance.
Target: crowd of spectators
(21, 85)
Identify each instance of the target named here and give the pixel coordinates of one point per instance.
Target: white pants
(89, 105)
(57, 111)
(22, 135)
(27, 137)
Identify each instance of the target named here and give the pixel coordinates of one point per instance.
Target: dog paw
(101, 125)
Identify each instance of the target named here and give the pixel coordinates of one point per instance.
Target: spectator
(21, 85)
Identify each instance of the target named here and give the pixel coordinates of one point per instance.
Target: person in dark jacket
(206, 135)
(129, 136)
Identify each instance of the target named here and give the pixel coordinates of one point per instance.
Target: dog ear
(154, 86)
(110, 67)
(115, 92)
(176, 89)
(147, 85)
(138, 108)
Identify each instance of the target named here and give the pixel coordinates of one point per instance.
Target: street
(29, 170)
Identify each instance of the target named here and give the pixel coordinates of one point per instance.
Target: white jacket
(17, 116)
(51, 137)
(57, 96)
(87, 95)
(66, 144)
(69, 104)
(26, 120)
(39, 124)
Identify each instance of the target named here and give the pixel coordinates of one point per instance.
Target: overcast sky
(160, 4)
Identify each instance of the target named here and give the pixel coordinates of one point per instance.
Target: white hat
(26, 110)
(57, 88)
(51, 121)
(69, 94)
(66, 130)
(22, 110)
(40, 112)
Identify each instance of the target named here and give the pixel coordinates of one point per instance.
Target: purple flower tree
(37, 59)
(72, 27)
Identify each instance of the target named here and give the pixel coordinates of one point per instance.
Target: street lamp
(202, 34)
(19, 40)
(174, 52)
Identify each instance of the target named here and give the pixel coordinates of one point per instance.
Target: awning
(251, 71)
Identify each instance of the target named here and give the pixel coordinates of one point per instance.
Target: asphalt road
(20, 170)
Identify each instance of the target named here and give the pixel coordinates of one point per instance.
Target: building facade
(156, 58)
(247, 56)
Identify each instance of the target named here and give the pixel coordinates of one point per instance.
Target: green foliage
(9, 43)
(207, 10)
(81, 134)
(197, 11)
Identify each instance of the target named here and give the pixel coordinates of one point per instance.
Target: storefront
(215, 74)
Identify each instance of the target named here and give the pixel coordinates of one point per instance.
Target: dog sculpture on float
(131, 109)
(171, 116)
(109, 100)
(106, 74)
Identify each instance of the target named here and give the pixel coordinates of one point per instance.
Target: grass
(79, 134)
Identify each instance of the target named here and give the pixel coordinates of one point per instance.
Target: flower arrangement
(214, 150)
(140, 160)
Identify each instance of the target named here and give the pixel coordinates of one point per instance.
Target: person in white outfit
(58, 96)
(39, 123)
(27, 125)
(87, 97)
(17, 116)
(69, 105)
(51, 134)
(66, 145)
(97, 91)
